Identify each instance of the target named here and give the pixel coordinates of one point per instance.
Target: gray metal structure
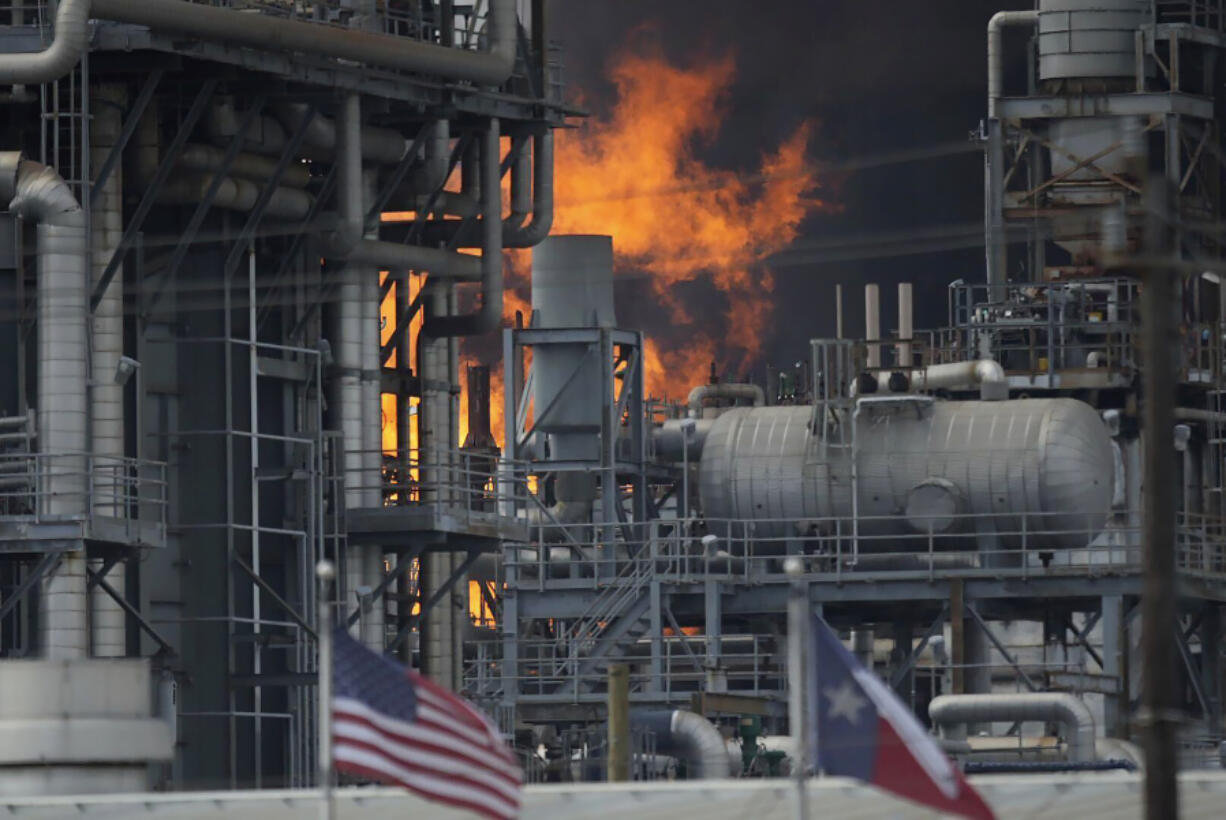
(193, 258)
(966, 500)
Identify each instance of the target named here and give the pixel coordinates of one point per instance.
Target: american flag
(393, 725)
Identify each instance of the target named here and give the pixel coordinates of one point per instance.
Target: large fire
(636, 174)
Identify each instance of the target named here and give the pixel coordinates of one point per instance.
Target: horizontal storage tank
(1042, 465)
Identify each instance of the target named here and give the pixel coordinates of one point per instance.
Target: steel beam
(402, 565)
(36, 572)
(125, 134)
(171, 158)
(162, 643)
(443, 589)
(938, 624)
(1000, 647)
(276, 596)
(188, 236)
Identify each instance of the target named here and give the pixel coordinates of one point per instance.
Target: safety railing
(468, 483)
(58, 486)
(1029, 545)
(750, 664)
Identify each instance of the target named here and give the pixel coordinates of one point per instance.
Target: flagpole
(325, 571)
(798, 619)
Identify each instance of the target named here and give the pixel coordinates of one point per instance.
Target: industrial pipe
(1058, 707)
(729, 391)
(56, 60)
(38, 194)
(489, 315)
(379, 145)
(348, 160)
(689, 736)
(996, 24)
(108, 621)
(235, 194)
(669, 442)
(515, 234)
(489, 67)
(986, 374)
(198, 157)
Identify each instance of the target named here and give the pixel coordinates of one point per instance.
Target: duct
(690, 737)
(197, 157)
(728, 391)
(108, 621)
(37, 193)
(1058, 707)
(489, 67)
(996, 49)
(379, 145)
(489, 315)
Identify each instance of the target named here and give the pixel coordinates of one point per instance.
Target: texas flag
(860, 729)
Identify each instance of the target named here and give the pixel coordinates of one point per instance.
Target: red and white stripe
(450, 753)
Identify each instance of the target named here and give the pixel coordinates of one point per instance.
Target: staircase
(18, 474)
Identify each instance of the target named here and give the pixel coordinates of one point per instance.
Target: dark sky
(878, 76)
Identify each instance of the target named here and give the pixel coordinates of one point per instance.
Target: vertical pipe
(371, 558)
(325, 572)
(798, 672)
(872, 323)
(107, 618)
(957, 636)
(906, 328)
(1160, 346)
(838, 311)
(619, 723)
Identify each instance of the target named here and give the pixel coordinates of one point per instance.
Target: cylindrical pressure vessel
(1039, 466)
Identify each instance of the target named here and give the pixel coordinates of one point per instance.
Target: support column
(107, 619)
(1211, 665)
(957, 637)
(717, 676)
(1112, 624)
(904, 637)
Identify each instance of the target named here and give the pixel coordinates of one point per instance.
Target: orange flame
(635, 175)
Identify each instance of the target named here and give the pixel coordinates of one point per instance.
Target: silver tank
(572, 287)
(1042, 464)
(1080, 39)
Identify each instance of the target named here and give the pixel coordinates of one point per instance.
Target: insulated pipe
(236, 194)
(38, 194)
(872, 324)
(515, 234)
(668, 440)
(489, 67)
(527, 236)
(372, 429)
(906, 326)
(379, 145)
(489, 315)
(725, 391)
(108, 622)
(351, 227)
(266, 136)
(53, 62)
(197, 157)
(689, 736)
(986, 374)
(996, 49)
(1058, 707)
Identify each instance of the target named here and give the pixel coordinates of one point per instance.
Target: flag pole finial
(325, 572)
